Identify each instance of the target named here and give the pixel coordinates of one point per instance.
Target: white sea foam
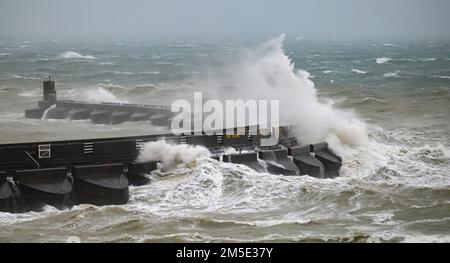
(98, 94)
(391, 74)
(151, 72)
(185, 45)
(45, 115)
(74, 55)
(171, 155)
(359, 71)
(125, 73)
(383, 60)
(428, 59)
(442, 77)
(391, 45)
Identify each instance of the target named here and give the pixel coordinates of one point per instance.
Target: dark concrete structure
(331, 162)
(99, 113)
(278, 162)
(80, 114)
(306, 163)
(249, 159)
(34, 113)
(58, 113)
(101, 116)
(140, 116)
(6, 194)
(38, 187)
(118, 117)
(101, 184)
(138, 173)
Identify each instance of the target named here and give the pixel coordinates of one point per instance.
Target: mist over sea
(383, 106)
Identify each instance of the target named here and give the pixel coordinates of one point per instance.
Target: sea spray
(268, 73)
(171, 155)
(98, 94)
(45, 114)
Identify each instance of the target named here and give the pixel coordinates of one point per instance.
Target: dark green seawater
(394, 188)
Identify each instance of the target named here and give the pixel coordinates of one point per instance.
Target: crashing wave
(96, 95)
(268, 73)
(171, 155)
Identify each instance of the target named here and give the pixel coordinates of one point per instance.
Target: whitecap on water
(74, 55)
(106, 64)
(383, 60)
(391, 74)
(359, 71)
(442, 77)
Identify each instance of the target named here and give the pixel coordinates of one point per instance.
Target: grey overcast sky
(396, 19)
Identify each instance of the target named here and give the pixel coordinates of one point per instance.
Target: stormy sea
(384, 107)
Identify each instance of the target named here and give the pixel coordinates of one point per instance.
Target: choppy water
(395, 187)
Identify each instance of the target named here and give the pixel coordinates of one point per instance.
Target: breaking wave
(171, 155)
(383, 60)
(391, 75)
(267, 73)
(427, 59)
(151, 72)
(97, 94)
(100, 95)
(75, 55)
(359, 71)
(391, 45)
(442, 77)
